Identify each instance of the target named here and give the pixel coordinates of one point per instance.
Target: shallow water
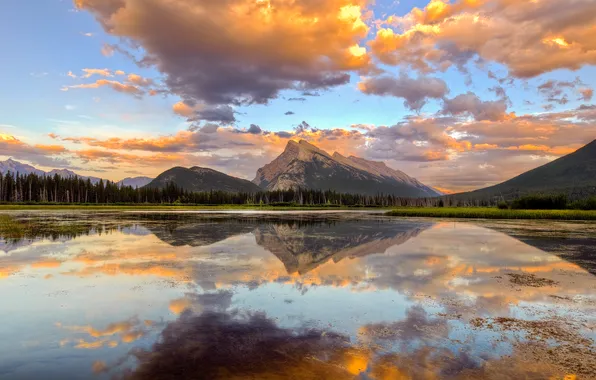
(295, 295)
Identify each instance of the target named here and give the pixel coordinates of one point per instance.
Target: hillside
(306, 166)
(203, 179)
(574, 175)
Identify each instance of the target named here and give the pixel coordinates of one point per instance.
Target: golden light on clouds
(560, 41)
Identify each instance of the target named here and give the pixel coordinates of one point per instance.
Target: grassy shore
(170, 207)
(493, 213)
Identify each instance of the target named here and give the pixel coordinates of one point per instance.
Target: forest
(32, 188)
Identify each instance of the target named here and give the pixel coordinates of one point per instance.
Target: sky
(459, 94)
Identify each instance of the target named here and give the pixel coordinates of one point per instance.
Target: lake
(302, 295)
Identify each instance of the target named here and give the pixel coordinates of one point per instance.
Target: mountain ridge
(199, 179)
(304, 165)
(573, 174)
(14, 166)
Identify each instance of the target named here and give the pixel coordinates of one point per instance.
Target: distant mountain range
(13, 166)
(574, 175)
(303, 165)
(203, 179)
(306, 166)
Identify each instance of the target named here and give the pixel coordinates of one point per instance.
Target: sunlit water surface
(300, 295)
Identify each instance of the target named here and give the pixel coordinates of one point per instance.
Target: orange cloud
(254, 49)
(40, 153)
(100, 72)
(183, 109)
(115, 85)
(46, 264)
(139, 80)
(444, 33)
(51, 149)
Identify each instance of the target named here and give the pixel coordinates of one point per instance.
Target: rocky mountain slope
(203, 179)
(306, 166)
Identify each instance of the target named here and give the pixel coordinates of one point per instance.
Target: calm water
(300, 295)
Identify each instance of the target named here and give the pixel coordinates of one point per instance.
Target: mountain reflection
(307, 296)
(301, 244)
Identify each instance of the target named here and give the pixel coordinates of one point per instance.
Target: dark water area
(298, 295)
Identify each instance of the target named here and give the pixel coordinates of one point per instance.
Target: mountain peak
(304, 165)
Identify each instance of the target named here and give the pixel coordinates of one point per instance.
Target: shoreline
(144, 207)
(430, 212)
(493, 213)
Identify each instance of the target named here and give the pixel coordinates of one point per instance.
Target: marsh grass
(11, 228)
(493, 213)
(14, 229)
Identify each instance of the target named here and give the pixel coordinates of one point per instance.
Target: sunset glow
(460, 94)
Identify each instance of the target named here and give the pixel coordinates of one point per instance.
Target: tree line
(33, 188)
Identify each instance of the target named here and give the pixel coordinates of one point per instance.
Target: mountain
(135, 182)
(203, 179)
(65, 173)
(13, 166)
(574, 175)
(306, 166)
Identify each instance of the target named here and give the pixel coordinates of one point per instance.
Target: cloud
(138, 80)
(219, 113)
(183, 109)
(107, 50)
(209, 128)
(100, 72)
(223, 114)
(415, 91)
(114, 85)
(558, 92)
(241, 51)
(39, 154)
(586, 94)
(470, 104)
(254, 129)
(528, 37)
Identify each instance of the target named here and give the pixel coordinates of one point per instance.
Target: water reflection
(292, 296)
